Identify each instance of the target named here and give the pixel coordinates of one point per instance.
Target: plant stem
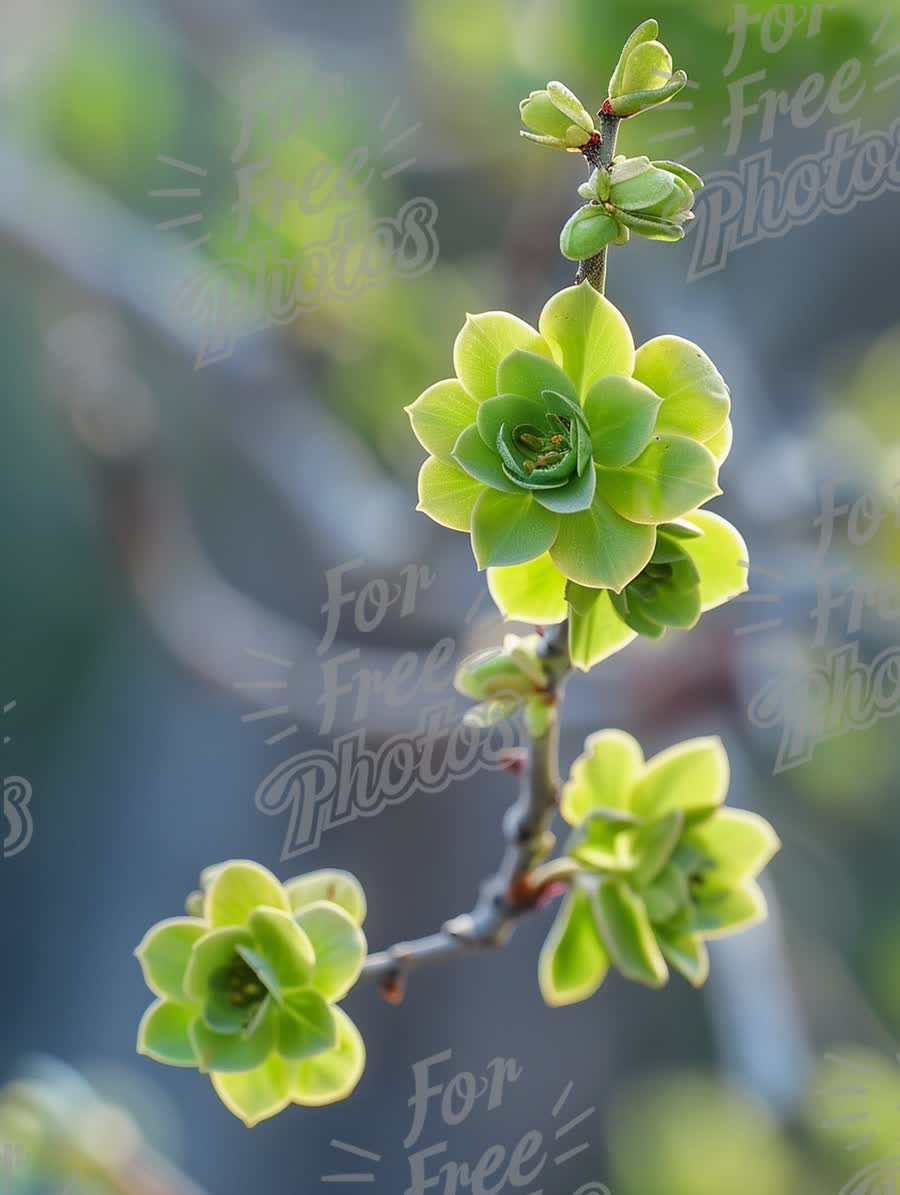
(522, 878)
(516, 887)
(599, 155)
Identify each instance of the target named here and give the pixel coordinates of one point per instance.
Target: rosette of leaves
(653, 199)
(565, 443)
(247, 989)
(662, 867)
(643, 78)
(556, 117)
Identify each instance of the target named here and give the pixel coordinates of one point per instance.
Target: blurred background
(176, 486)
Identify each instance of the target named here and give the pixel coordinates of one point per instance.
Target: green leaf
(530, 375)
(574, 961)
(306, 1026)
(338, 887)
(601, 549)
(654, 228)
(738, 843)
(695, 398)
(694, 181)
(213, 952)
(333, 1074)
(643, 101)
(720, 444)
(645, 32)
(672, 476)
(511, 529)
(483, 343)
(603, 776)
(441, 415)
(597, 635)
(571, 106)
(531, 592)
(481, 462)
(621, 414)
(285, 947)
(576, 495)
(164, 953)
(234, 1052)
(447, 494)
(691, 776)
(257, 1094)
(667, 896)
(628, 934)
(239, 888)
(581, 598)
(721, 558)
(687, 954)
(163, 1034)
(509, 409)
(720, 914)
(340, 947)
(602, 841)
(588, 335)
(652, 846)
(645, 190)
(586, 232)
(647, 68)
(672, 606)
(263, 970)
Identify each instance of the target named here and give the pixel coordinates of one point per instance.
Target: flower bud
(643, 77)
(512, 673)
(556, 117)
(588, 231)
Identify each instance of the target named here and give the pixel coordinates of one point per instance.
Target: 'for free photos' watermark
(842, 692)
(758, 199)
(332, 785)
(19, 823)
(442, 1101)
(263, 285)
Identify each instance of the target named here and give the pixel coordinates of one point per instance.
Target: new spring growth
(556, 117)
(643, 78)
(503, 680)
(653, 199)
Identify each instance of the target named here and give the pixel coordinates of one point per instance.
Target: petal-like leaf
(234, 1052)
(306, 1025)
(337, 887)
(447, 494)
(441, 415)
(481, 462)
(533, 592)
(671, 477)
(530, 374)
(721, 557)
(691, 776)
(237, 889)
(164, 1034)
(603, 776)
(720, 444)
(340, 947)
(257, 1094)
(720, 914)
(588, 335)
(652, 846)
(596, 635)
(483, 343)
(510, 409)
(511, 529)
(586, 232)
(738, 843)
(687, 954)
(621, 414)
(284, 945)
(164, 953)
(601, 549)
(211, 954)
(628, 934)
(696, 401)
(333, 1074)
(576, 495)
(574, 960)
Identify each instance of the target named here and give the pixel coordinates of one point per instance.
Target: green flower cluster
(247, 988)
(653, 199)
(644, 77)
(661, 866)
(556, 117)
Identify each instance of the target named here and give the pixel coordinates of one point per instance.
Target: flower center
(543, 449)
(243, 985)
